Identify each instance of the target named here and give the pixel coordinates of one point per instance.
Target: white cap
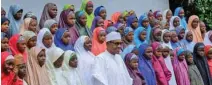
(113, 36)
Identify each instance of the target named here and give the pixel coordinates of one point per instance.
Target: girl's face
(160, 17)
(165, 52)
(142, 36)
(4, 44)
(148, 53)
(121, 30)
(59, 62)
(134, 25)
(18, 15)
(70, 20)
(8, 66)
(150, 16)
(134, 64)
(174, 37)
(169, 15)
(32, 42)
(210, 54)
(100, 23)
(66, 37)
(22, 70)
(53, 11)
(53, 28)
(121, 19)
(171, 55)
(89, 8)
(88, 44)
(176, 22)
(182, 34)
(189, 37)
(135, 51)
(202, 27)
(129, 36)
(200, 51)
(41, 58)
(101, 37)
(166, 37)
(195, 23)
(103, 14)
(145, 23)
(21, 46)
(158, 52)
(189, 59)
(33, 25)
(73, 61)
(181, 57)
(47, 41)
(181, 14)
(83, 20)
(5, 26)
(157, 36)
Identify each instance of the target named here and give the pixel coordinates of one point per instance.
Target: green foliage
(204, 10)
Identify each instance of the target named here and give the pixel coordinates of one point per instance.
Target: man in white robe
(109, 68)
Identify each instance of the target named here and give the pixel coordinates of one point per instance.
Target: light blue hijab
(187, 45)
(14, 24)
(149, 28)
(137, 39)
(127, 50)
(183, 20)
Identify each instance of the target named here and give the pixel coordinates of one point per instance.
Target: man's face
(114, 46)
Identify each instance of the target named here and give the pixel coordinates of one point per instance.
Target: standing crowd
(85, 48)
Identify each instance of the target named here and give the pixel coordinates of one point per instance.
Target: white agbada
(71, 74)
(55, 74)
(206, 39)
(110, 69)
(85, 61)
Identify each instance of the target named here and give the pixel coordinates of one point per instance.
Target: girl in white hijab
(70, 70)
(165, 38)
(174, 22)
(207, 39)
(86, 58)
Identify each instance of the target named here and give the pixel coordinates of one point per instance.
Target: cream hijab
(25, 25)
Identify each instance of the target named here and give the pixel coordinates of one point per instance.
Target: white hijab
(162, 42)
(85, 59)
(71, 74)
(171, 25)
(206, 39)
(40, 37)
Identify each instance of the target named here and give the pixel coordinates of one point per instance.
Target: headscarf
(155, 31)
(48, 23)
(162, 42)
(179, 29)
(137, 39)
(127, 30)
(171, 23)
(127, 50)
(195, 31)
(115, 17)
(95, 21)
(202, 65)
(149, 28)
(4, 19)
(174, 44)
(68, 6)
(18, 61)
(36, 75)
(28, 35)
(71, 74)
(183, 20)
(156, 13)
(207, 49)
(163, 75)
(134, 74)
(97, 47)
(30, 15)
(187, 45)
(83, 30)
(111, 29)
(63, 23)
(130, 20)
(45, 15)
(89, 17)
(145, 66)
(14, 40)
(6, 79)
(14, 24)
(40, 37)
(25, 25)
(98, 10)
(58, 40)
(85, 59)
(180, 68)
(206, 39)
(164, 21)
